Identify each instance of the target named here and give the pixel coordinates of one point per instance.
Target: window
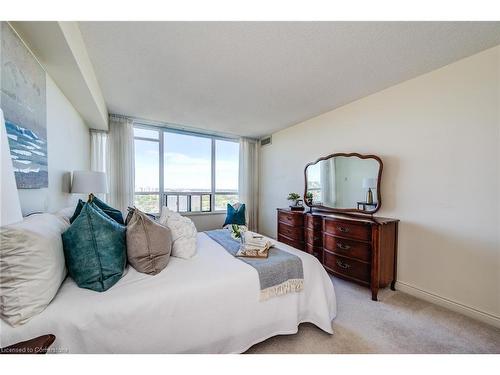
(147, 170)
(226, 173)
(186, 172)
(188, 162)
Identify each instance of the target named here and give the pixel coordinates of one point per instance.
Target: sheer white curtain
(248, 181)
(98, 150)
(98, 154)
(120, 163)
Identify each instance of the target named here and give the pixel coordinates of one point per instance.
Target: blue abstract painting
(23, 101)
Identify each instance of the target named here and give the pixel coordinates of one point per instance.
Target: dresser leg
(395, 267)
(393, 285)
(374, 294)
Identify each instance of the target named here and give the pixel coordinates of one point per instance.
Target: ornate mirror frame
(347, 210)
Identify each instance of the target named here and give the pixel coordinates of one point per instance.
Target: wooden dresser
(362, 249)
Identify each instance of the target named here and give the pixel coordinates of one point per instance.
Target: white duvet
(206, 304)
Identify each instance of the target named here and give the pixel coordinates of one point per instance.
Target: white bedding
(206, 304)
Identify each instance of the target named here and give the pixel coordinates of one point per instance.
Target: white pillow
(183, 233)
(32, 266)
(66, 213)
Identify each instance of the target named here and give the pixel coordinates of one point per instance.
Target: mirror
(344, 183)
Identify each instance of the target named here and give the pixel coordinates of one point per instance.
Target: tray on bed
(251, 253)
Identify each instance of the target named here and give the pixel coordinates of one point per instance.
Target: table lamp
(369, 183)
(89, 182)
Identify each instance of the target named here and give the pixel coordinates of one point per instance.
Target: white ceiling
(254, 78)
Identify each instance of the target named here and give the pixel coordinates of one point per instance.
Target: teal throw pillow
(95, 250)
(235, 216)
(78, 209)
(113, 213)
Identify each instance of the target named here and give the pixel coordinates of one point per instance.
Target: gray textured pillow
(148, 243)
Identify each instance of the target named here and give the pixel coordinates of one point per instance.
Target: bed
(207, 304)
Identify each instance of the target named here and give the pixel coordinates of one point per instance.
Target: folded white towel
(256, 241)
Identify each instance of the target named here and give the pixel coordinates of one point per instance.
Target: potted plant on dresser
(297, 202)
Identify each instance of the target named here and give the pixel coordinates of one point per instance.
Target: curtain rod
(173, 126)
(99, 131)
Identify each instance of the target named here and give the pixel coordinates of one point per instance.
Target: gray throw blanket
(279, 273)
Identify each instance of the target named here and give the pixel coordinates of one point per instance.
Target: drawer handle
(342, 246)
(343, 229)
(343, 265)
(289, 218)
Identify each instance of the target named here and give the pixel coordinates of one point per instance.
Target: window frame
(162, 193)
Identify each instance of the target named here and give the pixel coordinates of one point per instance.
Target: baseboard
(449, 304)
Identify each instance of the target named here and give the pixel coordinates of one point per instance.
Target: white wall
(438, 136)
(209, 221)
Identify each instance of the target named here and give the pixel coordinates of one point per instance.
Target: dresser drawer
(313, 237)
(315, 250)
(291, 218)
(291, 242)
(347, 267)
(313, 222)
(346, 229)
(349, 248)
(297, 233)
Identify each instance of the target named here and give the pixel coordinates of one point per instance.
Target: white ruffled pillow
(183, 233)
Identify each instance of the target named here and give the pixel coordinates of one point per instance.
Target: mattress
(206, 304)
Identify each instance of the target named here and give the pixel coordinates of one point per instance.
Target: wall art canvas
(23, 101)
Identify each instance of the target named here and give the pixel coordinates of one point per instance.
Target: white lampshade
(86, 182)
(369, 183)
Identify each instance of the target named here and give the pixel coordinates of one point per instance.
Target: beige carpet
(398, 323)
